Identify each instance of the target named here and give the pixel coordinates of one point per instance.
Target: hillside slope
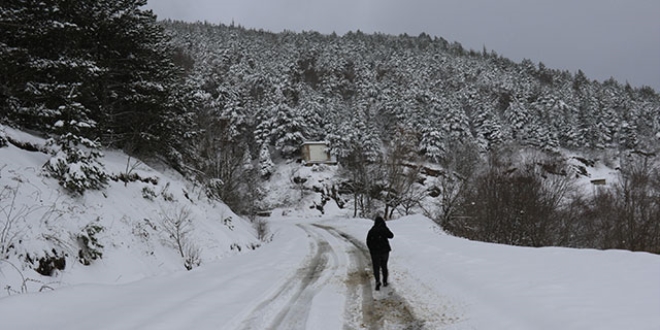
(122, 230)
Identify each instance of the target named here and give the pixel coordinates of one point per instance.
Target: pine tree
(287, 130)
(136, 87)
(76, 164)
(628, 136)
(231, 113)
(489, 132)
(44, 67)
(558, 118)
(108, 58)
(456, 124)
(518, 119)
(266, 166)
(312, 112)
(432, 144)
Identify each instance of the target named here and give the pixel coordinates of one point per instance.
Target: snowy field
(313, 274)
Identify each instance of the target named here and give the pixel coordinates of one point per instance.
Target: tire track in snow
(333, 255)
(390, 312)
(291, 304)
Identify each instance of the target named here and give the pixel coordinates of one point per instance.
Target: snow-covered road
(310, 277)
(331, 289)
(316, 275)
(304, 298)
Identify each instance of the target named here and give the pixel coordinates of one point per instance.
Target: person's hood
(379, 221)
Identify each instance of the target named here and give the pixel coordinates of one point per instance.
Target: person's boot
(378, 286)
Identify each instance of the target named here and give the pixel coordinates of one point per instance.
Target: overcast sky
(603, 38)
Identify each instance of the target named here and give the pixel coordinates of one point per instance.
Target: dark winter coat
(378, 237)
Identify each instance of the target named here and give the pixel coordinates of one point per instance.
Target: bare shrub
(360, 160)
(639, 208)
(401, 174)
(192, 257)
(529, 205)
(262, 228)
(10, 215)
(23, 288)
(461, 163)
(624, 216)
(8, 220)
(516, 206)
(130, 168)
(362, 178)
(221, 161)
(178, 226)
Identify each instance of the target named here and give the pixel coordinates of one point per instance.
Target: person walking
(379, 248)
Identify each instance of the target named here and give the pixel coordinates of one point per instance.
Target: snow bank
(491, 286)
(40, 219)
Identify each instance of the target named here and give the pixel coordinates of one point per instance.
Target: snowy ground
(314, 274)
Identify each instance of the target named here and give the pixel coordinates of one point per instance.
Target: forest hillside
(372, 88)
(489, 148)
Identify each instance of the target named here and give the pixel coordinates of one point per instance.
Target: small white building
(316, 152)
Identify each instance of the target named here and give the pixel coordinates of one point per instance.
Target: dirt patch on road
(356, 278)
(393, 312)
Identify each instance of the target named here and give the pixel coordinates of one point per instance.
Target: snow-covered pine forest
(380, 100)
(486, 147)
(320, 87)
